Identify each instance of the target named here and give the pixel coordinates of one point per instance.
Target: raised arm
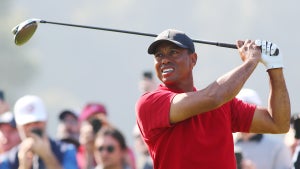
(275, 118)
(224, 89)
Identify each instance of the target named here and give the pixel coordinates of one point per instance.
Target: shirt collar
(163, 87)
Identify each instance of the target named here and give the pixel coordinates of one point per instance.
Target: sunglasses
(109, 149)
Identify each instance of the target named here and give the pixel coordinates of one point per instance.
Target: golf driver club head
(24, 31)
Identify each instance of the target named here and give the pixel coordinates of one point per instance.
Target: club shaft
(100, 28)
(226, 45)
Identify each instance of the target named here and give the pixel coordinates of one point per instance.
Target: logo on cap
(29, 109)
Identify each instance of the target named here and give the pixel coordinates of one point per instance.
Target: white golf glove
(270, 55)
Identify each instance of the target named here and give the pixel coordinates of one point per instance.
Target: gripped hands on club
(262, 51)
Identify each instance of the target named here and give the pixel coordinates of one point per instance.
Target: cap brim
(7, 118)
(30, 119)
(154, 45)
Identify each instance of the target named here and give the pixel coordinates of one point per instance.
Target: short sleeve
(241, 115)
(152, 111)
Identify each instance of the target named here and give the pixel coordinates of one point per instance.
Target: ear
(194, 58)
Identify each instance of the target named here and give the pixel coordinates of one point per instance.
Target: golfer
(184, 127)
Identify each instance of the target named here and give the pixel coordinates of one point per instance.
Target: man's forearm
(232, 82)
(51, 162)
(279, 102)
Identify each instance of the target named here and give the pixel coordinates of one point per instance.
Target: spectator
(290, 140)
(144, 160)
(265, 151)
(37, 150)
(4, 107)
(147, 83)
(9, 136)
(68, 127)
(295, 129)
(92, 118)
(110, 149)
(241, 162)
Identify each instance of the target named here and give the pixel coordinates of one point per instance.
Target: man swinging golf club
(189, 128)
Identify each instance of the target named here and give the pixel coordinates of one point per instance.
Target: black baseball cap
(175, 36)
(63, 114)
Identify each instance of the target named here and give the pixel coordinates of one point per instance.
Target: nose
(165, 59)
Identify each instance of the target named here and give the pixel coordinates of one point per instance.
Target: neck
(184, 83)
(182, 86)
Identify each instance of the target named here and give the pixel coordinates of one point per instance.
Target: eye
(174, 52)
(158, 55)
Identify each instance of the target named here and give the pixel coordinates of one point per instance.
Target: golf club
(24, 31)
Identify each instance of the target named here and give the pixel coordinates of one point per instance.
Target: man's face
(86, 131)
(70, 125)
(4, 107)
(86, 134)
(9, 137)
(108, 152)
(173, 64)
(26, 129)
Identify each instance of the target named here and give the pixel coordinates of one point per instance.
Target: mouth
(166, 71)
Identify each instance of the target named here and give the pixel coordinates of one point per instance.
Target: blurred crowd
(88, 140)
(84, 139)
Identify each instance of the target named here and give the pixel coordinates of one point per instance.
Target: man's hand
(248, 50)
(25, 154)
(41, 145)
(87, 136)
(269, 57)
